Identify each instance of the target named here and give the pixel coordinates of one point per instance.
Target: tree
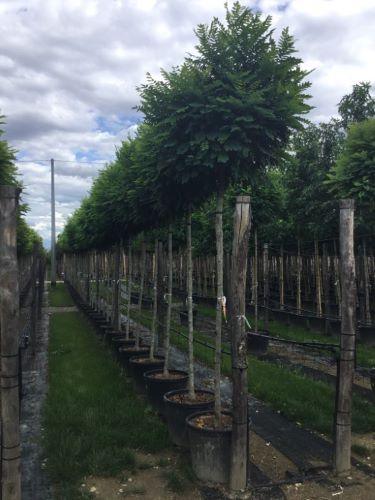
(353, 176)
(222, 115)
(357, 106)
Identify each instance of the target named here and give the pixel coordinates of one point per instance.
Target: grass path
(93, 419)
(59, 296)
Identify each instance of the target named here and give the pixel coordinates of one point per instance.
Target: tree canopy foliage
(26, 236)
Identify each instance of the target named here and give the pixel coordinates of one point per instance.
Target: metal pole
(53, 226)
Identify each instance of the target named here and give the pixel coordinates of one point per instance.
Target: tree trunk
(160, 327)
(366, 284)
(169, 309)
(281, 278)
(266, 286)
(240, 437)
(318, 282)
(130, 279)
(155, 302)
(141, 287)
(299, 269)
(116, 320)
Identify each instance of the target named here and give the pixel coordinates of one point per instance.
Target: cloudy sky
(69, 71)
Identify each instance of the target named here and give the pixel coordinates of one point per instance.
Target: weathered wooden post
(343, 438)
(9, 328)
(239, 447)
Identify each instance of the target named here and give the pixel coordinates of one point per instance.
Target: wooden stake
(281, 277)
(9, 328)
(342, 456)
(266, 287)
(190, 307)
(239, 447)
(116, 320)
(299, 269)
(255, 271)
(318, 281)
(141, 287)
(130, 278)
(219, 302)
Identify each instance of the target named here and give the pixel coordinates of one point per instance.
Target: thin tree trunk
(141, 287)
(155, 302)
(318, 282)
(281, 278)
(366, 284)
(130, 279)
(219, 302)
(190, 307)
(299, 269)
(256, 281)
(169, 309)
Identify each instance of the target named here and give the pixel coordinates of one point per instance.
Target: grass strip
(59, 296)
(92, 416)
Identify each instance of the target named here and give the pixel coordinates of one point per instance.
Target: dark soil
(208, 422)
(171, 375)
(184, 398)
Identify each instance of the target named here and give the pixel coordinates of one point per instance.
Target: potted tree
(141, 364)
(220, 117)
(158, 381)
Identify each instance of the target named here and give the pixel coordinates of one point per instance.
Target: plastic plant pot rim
(143, 349)
(148, 375)
(204, 430)
(188, 405)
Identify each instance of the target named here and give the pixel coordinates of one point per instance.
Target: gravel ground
(34, 374)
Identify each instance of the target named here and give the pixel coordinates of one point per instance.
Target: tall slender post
(155, 302)
(343, 413)
(169, 309)
(116, 320)
(255, 281)
(240, 437)
(53, 226)
(130, 279)
(299, 269)
(219, 301)
(281, 278)
(190, 307)
(140, 298)
(318, 280)
(9, 329)
(266, 286)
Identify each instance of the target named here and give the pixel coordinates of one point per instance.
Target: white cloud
(69, 71)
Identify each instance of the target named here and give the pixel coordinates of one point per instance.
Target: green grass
(59, 296)
(301, 399)
(93, 419)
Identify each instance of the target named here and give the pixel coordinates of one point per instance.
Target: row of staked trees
(27, 237)
(229, 120)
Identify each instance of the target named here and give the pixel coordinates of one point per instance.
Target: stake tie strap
(242, 316)
(222, 301)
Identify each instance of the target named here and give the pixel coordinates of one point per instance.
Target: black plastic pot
(121, 341)
(257, 344)
(137, 369)
(157, 387)
(184, 320)
(176, 414)
(125, 354)
(210, 450)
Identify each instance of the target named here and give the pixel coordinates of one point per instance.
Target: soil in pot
(157, 384)
(257, 344)
(178, 406)
(210, 446)
(141, 364)
(125, 353)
